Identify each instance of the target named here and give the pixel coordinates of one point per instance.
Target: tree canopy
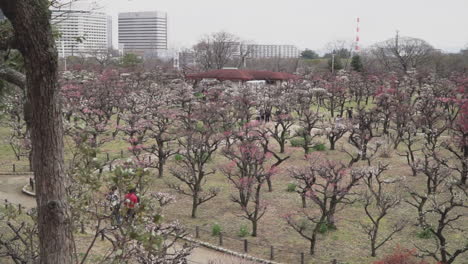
(309, 54)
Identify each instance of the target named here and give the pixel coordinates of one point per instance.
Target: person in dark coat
(267, 115)
(349, 112)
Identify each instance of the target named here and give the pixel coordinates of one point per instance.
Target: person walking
(114, 202)
(267, 115)
(349, 111)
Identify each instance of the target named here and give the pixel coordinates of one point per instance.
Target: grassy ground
(348, 244)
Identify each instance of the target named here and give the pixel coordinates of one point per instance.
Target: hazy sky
(308, 23)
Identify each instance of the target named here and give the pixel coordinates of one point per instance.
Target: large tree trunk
(464, 172)
(270, 185)
(332, 143)
(161, 159)
(33, 34)
(374, 241)
(282, 144)
(160, 169)
(303, 198)
(312, 243)
(194, 205)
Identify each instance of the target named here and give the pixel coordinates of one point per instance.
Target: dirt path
(10, 188)
(207, 256)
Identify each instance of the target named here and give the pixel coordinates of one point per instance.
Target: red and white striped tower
(356, 46)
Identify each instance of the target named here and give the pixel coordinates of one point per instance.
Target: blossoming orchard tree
(250, 168)
(305, 95)
(147, 237)
(199, 137)
(282, 100)
(431, 118)
(336, 94)
(149, 114)
(334, 130)
(14, 119)
(458, 144)
(329, 184)
(440, 208)
(361, 134)
(379, 199)
(144, 238)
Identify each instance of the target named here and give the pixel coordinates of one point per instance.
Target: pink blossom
(244, 183)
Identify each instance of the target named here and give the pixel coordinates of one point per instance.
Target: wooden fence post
(121, 153)
(302, 258)
(246, 246)
(14, 167)
(197, 232)
(19, 208)
(221, 239)
(107, 155)
(272, 253)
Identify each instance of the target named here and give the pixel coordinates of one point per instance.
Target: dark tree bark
(12, 76)
(33, 33)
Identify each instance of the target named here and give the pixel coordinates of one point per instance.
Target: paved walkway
(10, 188)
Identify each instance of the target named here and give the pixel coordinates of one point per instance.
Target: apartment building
(109, 32)
(143, 33)
(273, 51)
(81, 32)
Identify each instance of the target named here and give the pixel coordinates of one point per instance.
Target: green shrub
(297, 142)
(319, 147)
(200, 127)
(199, 95)
(325, 228)
(291, 187)
(178, 157)
(243, 231)
(304, 224)
(205, 155)
(216, 229)
(425, 233)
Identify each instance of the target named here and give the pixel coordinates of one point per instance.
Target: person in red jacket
(130, 201)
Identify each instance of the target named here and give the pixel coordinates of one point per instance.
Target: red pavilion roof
(242, 75)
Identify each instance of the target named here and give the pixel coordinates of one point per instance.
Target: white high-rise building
(143, 33)
(81, 32)
(274, 51)
(109, 32)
